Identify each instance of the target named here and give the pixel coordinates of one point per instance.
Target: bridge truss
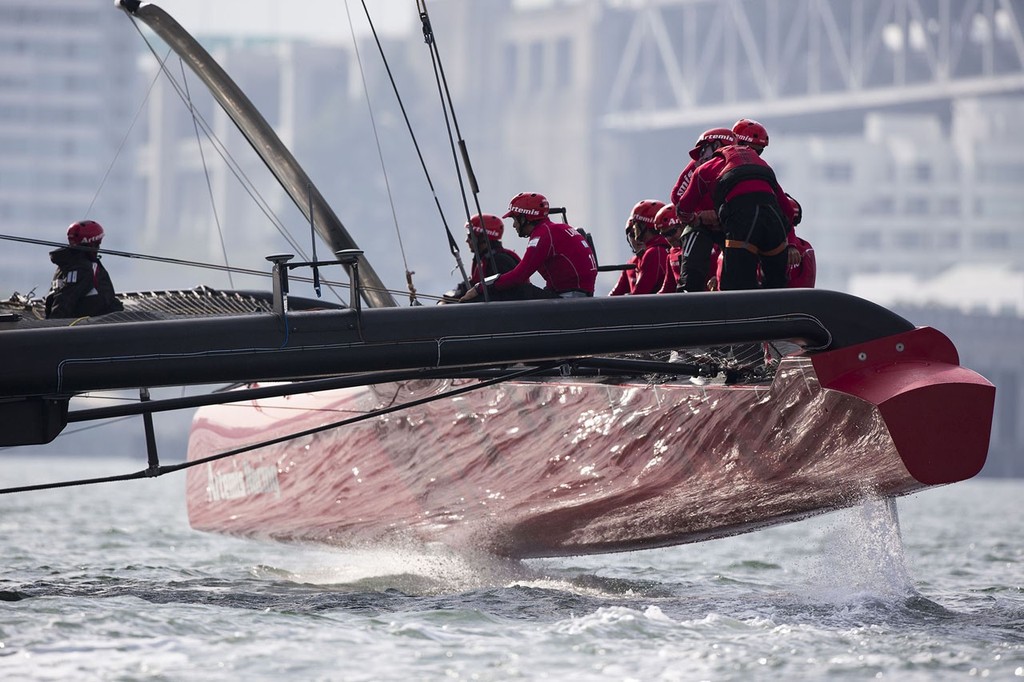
(686, 62)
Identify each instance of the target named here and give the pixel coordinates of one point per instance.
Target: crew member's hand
(793, 256)
(709, 218)
(469, 296)
(713, 283)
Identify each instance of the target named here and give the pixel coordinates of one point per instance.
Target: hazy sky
(322, 19)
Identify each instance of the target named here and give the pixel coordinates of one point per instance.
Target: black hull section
(68, 360)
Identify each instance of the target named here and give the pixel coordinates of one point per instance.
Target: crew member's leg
(770, 239)
(694, 268)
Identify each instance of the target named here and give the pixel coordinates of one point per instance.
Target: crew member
(750, 133)
(490, 257)
(703, 230)
(755, 214)
(669, 226)
(81, 285)
(628, 275)
(560, 253)
(804, 271)
(652, 256)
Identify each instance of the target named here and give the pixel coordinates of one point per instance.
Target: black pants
(754, 228)
(695, 264)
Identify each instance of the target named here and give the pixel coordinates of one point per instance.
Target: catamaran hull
(564, 467)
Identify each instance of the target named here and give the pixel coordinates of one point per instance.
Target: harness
(742, 164)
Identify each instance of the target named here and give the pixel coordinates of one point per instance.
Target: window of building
(510, 67)
(910, 239)
(992, 240)
(1001, 172)
(1004, 206)
(922, 171)
(563, 63)
(837, 172)
(947, 240)
(868, 241)
(879, 206)
(949, 207)
(536, 66)
(1006, 408)
(917, 206)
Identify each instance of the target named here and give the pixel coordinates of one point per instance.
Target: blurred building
(912, 194)
(208, 197)
(68, 98)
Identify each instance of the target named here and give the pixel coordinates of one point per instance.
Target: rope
(453, 245)
(236, 170)
(153, 472)
(124, 139)
(380, 155)
(206, 174)
(196, 264)
(450, 120)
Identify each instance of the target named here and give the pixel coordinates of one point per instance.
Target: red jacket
(626, 278)
(560, 254)
(683, 181)
(727, 163)
(652, 268)
(675, 256)
(802, 275)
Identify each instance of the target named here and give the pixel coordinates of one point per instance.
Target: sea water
(108, 582)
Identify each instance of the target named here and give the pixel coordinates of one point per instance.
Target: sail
(264, 141)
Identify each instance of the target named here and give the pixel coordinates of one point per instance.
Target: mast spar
(278, 159)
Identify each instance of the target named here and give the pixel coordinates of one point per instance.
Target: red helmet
(491, 226)
(719, 137)
(645, 211)
(667, 219)
(750, 132)
(531, 205)
(85, 233)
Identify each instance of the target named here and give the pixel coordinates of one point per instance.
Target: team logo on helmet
(667, 220)
(84, 233)
(528, 204)
(717, 136)
(749, 131)
(646, 210)
(488, 225)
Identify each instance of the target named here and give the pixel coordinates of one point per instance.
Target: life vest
(741, 164)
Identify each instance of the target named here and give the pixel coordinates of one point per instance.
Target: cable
(154, 472)
(380, 155)
(206, 174)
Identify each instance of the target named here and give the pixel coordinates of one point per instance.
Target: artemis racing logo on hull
(231, 485)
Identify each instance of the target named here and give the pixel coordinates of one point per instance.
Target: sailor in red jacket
(668, 224)
(652, 260)
(624, 285)
(754, 212)
(803, 270)
(702, 231)
(490, 257)
(560, 253)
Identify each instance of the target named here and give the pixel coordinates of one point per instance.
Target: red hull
(563, 467)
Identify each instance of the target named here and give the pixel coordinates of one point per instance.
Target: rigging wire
(380, 155)
(160, 470)
(127, 133)
(247, 184)
(453, 245)
(196, 264)
(448, 108)
(206, 173)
